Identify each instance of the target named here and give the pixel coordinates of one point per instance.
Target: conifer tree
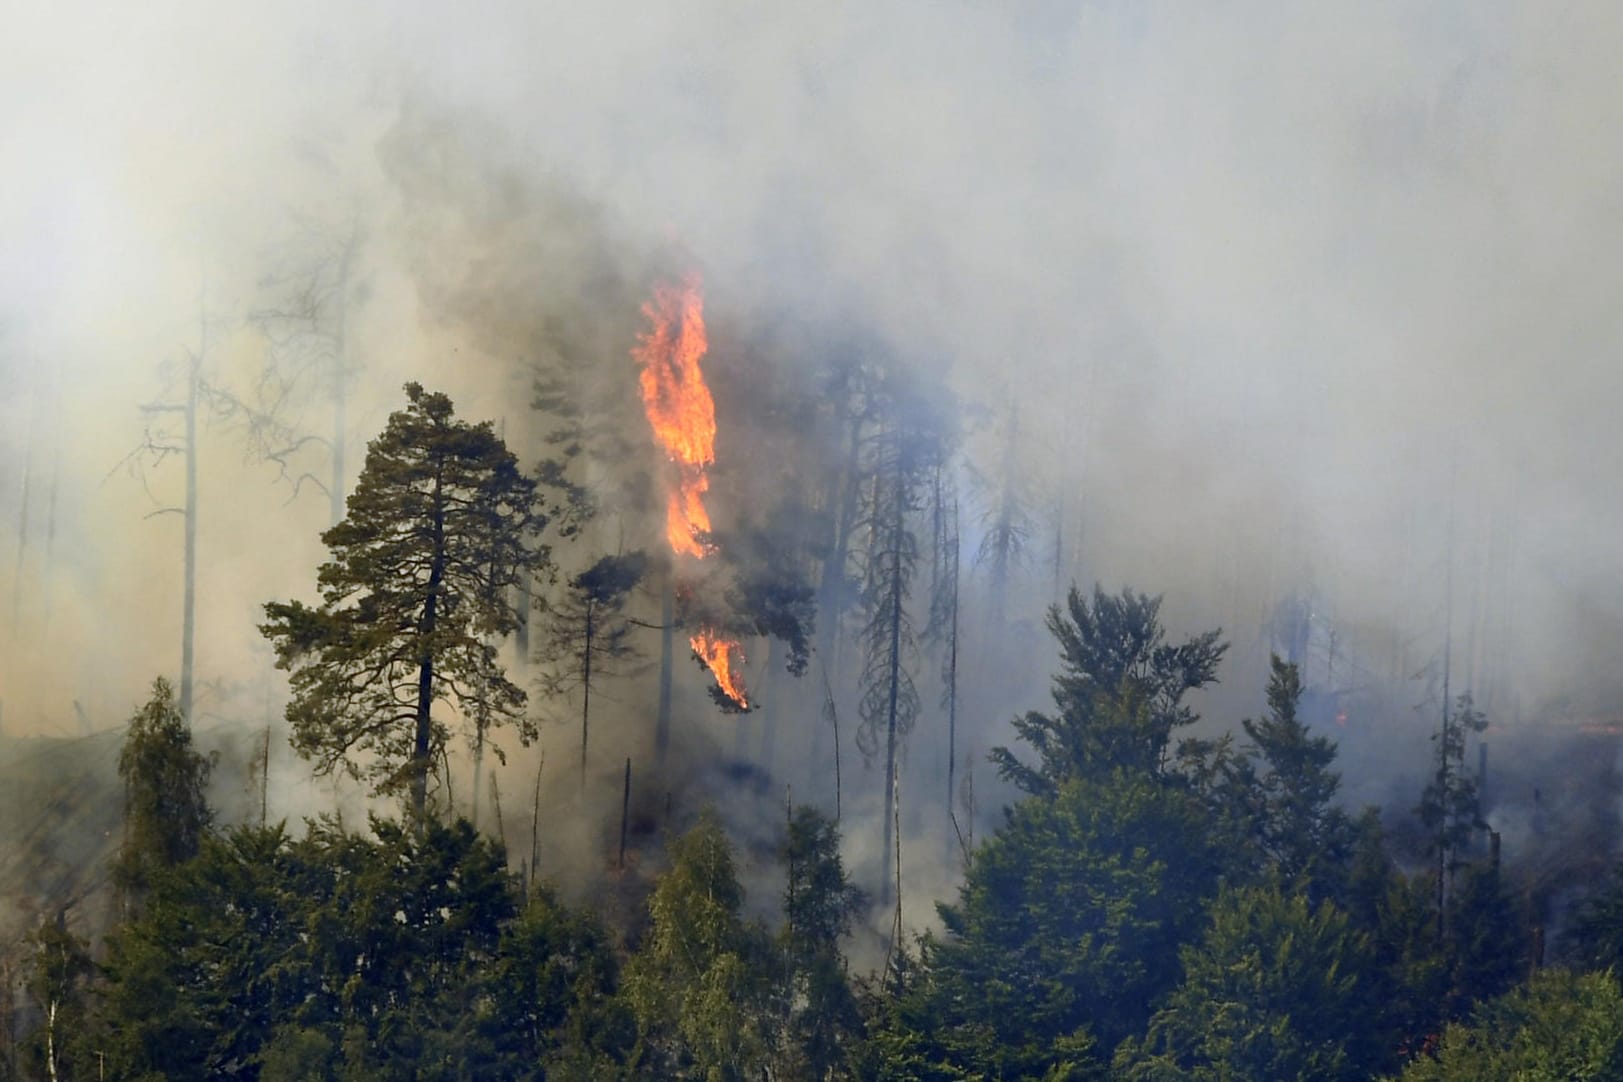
(820, 904)
(1120, 694)
(1296, 825)
(166, 814)
(423, 574)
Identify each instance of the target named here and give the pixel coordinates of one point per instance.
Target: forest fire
(718, 653)
(679, 407)
(683, 417)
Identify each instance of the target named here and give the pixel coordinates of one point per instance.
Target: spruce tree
(165, 813)
(1120, 693)
(423, 576)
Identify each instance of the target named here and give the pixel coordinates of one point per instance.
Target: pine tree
(422, 574)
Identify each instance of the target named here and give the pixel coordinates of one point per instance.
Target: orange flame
(679, 406)
(718, 653)
(683, 417)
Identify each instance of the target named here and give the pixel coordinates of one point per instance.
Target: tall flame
(679, 406)
(683, 417)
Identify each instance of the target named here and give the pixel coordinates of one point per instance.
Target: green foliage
(1561, 1027)
(553, 986)
(58, 987)
(166, 816)
(1293, 821)
(1067, 927)
(374, 954)
(1596, 938)
(820, 904)
(423, 570)
(1486, 944)
(700, 985)
(1119, 695)
(1269, 992)
(1405, 984)
(1450, 807)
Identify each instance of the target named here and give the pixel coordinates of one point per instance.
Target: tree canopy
(440, 530)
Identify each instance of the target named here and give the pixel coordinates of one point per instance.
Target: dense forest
(1062, 540)
(1151, 905)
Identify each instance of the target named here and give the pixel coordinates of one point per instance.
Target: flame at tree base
(717, 654)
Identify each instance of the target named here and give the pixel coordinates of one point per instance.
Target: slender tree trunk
(340, 367)
(535, 822)
(478, 767)
(50, 539)
(952, 687)
(50, 1039)
(585, 692)
(421, 763)
(766, 711)
(894, 664)
(188, 629)
(831, 588)
(1443, 734)
(625, 813)
(22, 533)
(667, 648)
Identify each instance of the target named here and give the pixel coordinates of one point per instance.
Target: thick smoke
(1279, 302)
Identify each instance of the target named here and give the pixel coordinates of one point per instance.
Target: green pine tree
(424, 572)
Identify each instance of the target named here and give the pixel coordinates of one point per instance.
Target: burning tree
(682, 415)
(421, 577)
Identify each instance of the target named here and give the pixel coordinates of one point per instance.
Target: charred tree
(889, 700)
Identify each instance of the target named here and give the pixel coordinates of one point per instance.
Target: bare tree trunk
(625, 813)
(496, 806)
(340, 364)
(535, 822)
(22, 533)
(667, 647)
(188, 629)
(894, 664)
(50, 1040)
(421, 764)
(586, 692)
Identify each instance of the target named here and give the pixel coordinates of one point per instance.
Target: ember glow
(683, 417)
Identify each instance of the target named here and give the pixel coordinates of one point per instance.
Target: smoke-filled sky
(1285, 296)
